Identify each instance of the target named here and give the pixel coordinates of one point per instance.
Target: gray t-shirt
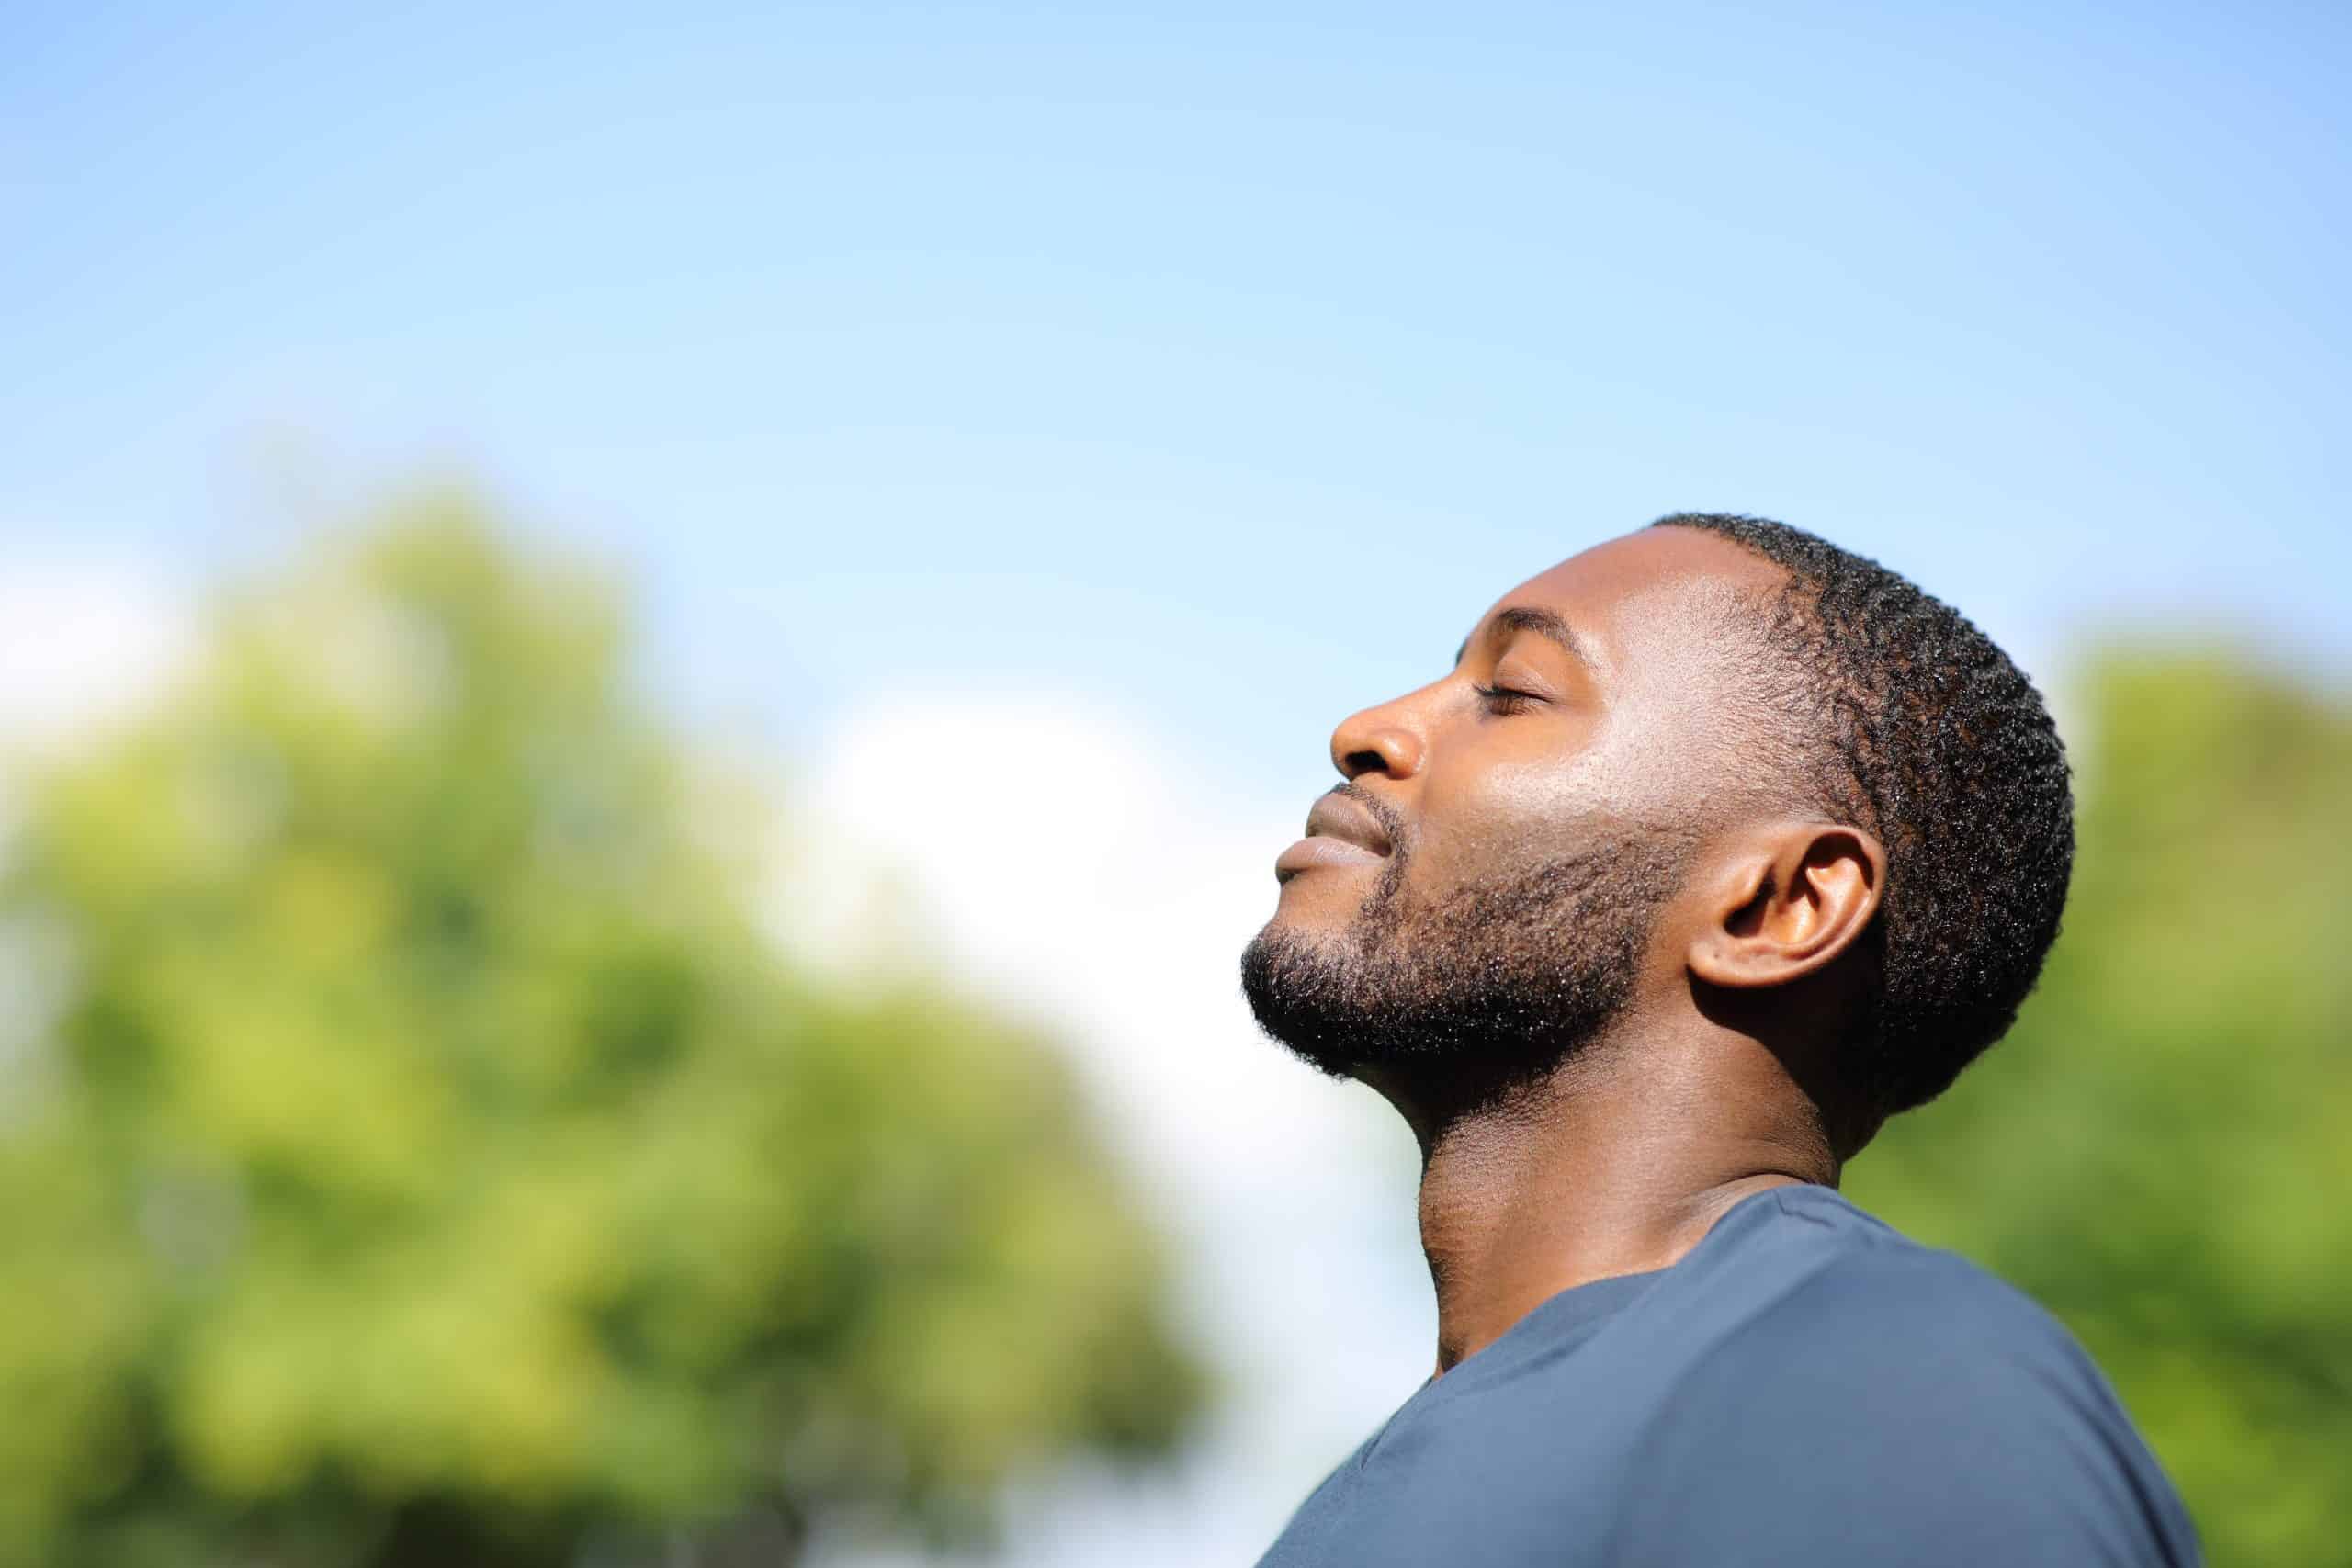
(1805, 1386)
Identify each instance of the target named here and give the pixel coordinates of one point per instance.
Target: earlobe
(1788, 901)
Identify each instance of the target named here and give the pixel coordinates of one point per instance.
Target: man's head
(1717, 765)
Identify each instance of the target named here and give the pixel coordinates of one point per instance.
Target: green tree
(415, 1154)
(2161, 1151)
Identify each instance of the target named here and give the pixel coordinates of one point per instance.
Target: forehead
(1655, 584)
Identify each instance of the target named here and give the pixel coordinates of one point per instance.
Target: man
(1718, 846)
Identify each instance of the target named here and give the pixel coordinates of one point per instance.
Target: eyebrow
(1544, 624)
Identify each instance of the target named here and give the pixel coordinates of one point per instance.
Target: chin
(1324, 899)
(1321, 931)
(1286, 976)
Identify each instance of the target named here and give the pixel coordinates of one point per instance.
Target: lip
(1319, 848)
(1339, 831)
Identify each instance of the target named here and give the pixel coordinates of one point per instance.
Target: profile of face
(1495, 880)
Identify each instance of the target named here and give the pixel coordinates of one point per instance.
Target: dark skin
(1711, 1084)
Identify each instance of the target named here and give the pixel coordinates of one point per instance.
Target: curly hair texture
(1911, 724)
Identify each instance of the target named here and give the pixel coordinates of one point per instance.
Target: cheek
(1478, 823)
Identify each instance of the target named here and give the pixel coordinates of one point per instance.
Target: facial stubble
(1503, 978)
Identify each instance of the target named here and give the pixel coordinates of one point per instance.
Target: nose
(1380, 739)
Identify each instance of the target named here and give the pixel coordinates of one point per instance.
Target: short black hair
(1916, 727)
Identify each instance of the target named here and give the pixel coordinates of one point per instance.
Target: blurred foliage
(415, 1154)
(2161, 1151)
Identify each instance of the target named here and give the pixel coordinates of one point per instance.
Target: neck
(1617, 1162)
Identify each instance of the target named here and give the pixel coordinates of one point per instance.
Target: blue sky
(1085, 408)
(1220, 362)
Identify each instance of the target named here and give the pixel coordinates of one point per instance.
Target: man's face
(1487, 885)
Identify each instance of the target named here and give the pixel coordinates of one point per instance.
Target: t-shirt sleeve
(1910, 1409)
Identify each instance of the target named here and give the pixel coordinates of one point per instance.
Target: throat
(1559, 1185)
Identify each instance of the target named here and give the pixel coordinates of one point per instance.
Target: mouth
(1341, 832)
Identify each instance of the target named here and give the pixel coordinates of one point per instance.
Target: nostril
(1377, 740)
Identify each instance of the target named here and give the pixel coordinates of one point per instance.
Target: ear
(1784, 901)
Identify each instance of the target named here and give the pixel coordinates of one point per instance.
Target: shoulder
(1894, 1402)
(1798, 1280)
(1866, 1292)
(1826, 1314)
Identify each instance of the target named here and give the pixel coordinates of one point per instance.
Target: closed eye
(1504, 701)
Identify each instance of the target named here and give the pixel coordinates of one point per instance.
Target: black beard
(1500, 982)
